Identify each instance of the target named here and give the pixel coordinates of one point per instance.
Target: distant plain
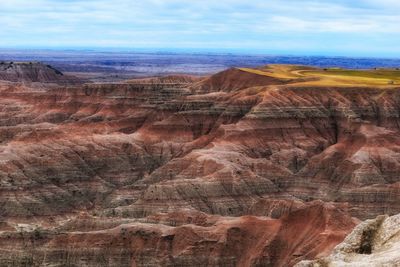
(111, 66)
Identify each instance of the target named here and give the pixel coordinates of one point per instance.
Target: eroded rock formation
(181, 238)
(374, 243)
(35, 72)
(180, 172)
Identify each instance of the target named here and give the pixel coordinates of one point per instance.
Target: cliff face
(172, 174)
(33, 72)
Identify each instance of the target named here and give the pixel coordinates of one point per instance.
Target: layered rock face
(181, 238)
(188, 172)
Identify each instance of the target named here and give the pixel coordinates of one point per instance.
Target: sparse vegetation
(329, 76)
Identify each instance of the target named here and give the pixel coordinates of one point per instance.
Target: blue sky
(309, 27)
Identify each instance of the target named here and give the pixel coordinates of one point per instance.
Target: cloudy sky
(330, 27)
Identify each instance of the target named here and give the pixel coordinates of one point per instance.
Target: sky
(292, 27)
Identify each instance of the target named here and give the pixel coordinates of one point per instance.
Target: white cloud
(257, 23)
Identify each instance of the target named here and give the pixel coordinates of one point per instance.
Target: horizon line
(199, 51)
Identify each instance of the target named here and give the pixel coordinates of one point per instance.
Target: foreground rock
(373, 243)
(181, 238)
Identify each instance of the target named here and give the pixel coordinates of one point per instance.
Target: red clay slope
(183, 238)
(234, 79)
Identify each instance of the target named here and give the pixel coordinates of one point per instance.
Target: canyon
(269, 166)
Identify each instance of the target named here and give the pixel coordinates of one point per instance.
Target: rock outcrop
(373, 243)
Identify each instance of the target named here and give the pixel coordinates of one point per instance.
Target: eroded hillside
(249, 167)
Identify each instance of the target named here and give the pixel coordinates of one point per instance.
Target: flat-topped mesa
(35, 72)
